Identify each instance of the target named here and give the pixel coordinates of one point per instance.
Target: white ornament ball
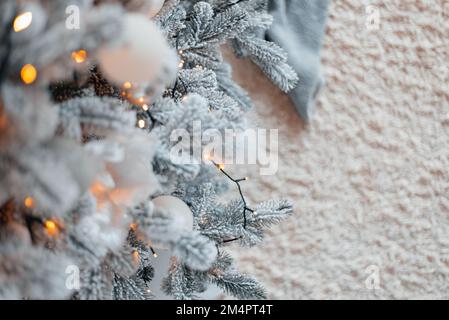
(137, 56)
(177, 209)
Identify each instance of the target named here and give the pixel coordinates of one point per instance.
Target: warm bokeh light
(28, 74)
(141, 124)
(136, 256)
(29, 202)
(127, 85)
(22, 21)
(98, 188)
(79, 56)
(51, 227)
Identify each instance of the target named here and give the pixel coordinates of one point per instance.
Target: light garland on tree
(88, 192)
(246, 209)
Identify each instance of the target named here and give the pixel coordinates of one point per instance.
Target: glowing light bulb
(136, 256)
(28, 73)
(255, 213)
(127, 85)
(155, 255)
(51, 227)
(181, 64)
(98, 188)
(221, 166)
(79, 56)
(141, 124)
(145, 107)
(29, 202)
(133, 226)
(141, 100)
(22, 21)
(207, 156)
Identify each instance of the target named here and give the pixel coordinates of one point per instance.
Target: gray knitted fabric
(299, 27)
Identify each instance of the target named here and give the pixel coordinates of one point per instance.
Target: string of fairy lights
(28, 72)
(29, 75)
(246, 209)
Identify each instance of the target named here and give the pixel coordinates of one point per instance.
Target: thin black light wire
(245, 206)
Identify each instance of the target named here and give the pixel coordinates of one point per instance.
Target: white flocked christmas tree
(87, 184)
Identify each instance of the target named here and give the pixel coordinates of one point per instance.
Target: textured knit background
(369, 176)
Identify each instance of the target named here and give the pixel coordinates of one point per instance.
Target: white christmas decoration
(168, 213)
(128, 177)
(177, 209)
(137, 56)
(101, 231)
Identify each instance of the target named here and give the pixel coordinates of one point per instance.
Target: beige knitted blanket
(370, 175)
